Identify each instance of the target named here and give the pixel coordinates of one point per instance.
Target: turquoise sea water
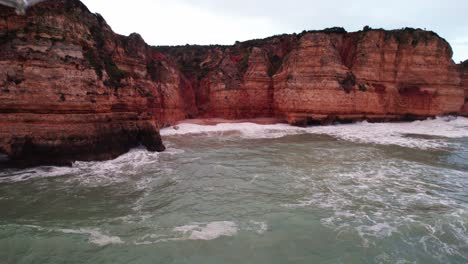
(245, 193)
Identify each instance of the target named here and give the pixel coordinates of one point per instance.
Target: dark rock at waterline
(34, 151)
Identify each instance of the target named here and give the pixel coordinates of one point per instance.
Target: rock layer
(72, 89)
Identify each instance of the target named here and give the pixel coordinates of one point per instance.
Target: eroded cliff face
(72, 89)
(233, 82)
(373, 75)
(322, 76)
(464, 78)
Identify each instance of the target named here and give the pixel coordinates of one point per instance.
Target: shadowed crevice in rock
(151, 140)
(348, 50)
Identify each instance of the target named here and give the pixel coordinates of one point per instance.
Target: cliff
(464, 78)
(72, 89)
(322, 76)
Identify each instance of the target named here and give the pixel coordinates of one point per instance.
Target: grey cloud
(448, 15)
(448, 18)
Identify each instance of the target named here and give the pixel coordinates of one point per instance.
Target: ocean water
(246, 193)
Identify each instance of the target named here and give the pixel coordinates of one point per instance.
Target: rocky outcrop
(373, 75)
(464, 77)
(72, 89)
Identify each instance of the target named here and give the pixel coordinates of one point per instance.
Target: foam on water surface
(204, 231)
(95, 236)
(208, 231)
(401, 134)
(137, 160)
(383, 198)
(99, 173)
(216, 186)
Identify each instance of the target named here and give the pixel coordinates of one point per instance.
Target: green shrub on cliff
(98, 36)
(93, 61)
(243, 64)
(115, 74)
(366, 28)
(105, 62)
(464, 65)
(275, 64)
(348, 82)
(362, 87)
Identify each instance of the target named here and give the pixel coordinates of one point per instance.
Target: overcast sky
(180, 22)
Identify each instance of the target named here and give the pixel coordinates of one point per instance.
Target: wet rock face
(71, 89)
(65, 147)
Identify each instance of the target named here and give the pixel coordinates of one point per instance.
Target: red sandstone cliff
(72, 89)
(321, 76)
(464, 78)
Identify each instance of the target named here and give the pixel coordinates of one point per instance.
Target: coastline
(72, 89)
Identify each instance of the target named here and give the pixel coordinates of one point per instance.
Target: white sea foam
(257, 227)
(204, 231)
(245, 130)
(137, 160)
(382, 197)
(402, 134)
(93, 173)
(38, 172)
(95, 236)
(208, 231)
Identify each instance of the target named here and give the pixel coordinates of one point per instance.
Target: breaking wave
(408, 201)
(426, 134)
(208, 231)
(92, 173)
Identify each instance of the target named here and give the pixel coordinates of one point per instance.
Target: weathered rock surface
(323, 76)
(374, 74)
(464, 77)
(71, 89)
